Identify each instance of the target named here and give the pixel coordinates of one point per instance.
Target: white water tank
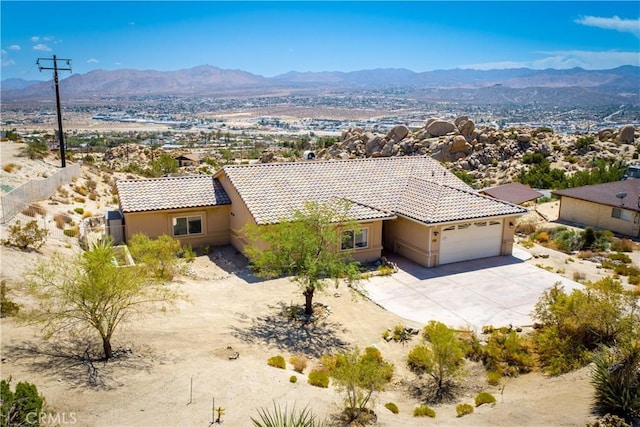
(309, 155)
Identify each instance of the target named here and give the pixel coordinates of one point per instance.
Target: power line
(55, 69)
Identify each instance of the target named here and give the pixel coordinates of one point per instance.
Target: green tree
(308, 246)
(441, 357)
(22, 407)
(91, 292)
(163, 165)
(29, 235)
(359, 375)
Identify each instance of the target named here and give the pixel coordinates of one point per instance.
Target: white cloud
(563, 59)
(615, 23)
(92, 61)
(14, 47)
(8, 62)
(48, 38)
(42, 47)
(35, 39)
(4, 52)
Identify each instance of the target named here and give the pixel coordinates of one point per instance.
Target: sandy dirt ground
(173, 363)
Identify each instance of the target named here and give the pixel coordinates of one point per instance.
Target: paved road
(494, 291)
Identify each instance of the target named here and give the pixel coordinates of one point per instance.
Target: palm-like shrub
(616, 379)
(285, 417)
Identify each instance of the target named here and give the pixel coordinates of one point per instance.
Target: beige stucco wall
(597, 215)
(215, 225)
(239, 214)
(410, 240)
(508, 234)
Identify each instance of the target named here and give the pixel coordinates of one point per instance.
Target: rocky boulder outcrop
(626, 135)
(440, 128)
(397, 134)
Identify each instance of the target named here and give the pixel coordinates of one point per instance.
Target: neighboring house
(188, 160)
(514, 192)
(612, 206)
(412, 206)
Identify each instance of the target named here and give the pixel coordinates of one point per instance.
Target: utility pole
(55, 80)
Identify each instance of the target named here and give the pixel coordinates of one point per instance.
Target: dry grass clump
(9, 167)
(526, 228)
(299, 362)
(61, 220)
(33, 210)
(87, 214)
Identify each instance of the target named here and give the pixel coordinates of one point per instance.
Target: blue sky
(271, 38)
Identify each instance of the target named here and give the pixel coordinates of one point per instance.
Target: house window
(621, 214)
(355, 239)
(187, 225)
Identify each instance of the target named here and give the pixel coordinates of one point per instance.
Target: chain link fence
(21, 197)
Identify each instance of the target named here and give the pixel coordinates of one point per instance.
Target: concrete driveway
(494, 291)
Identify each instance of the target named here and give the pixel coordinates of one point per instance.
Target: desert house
(412, 206)
(611, 206)
(188, 160)
(514, 192)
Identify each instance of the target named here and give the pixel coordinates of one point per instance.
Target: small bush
(493, 377)
(622, 245)
(7, 307)
(33, 210)
(87, 214)
(526, 228)
(22, 407)
(28, 236)
(392, 407)
(299, 362)
(484, 398)
(188, 253)
(9, 167)
(464, 409)
(79, 199)
(71, 232)
(542, 237)
(61, 219)
(609, 421)
(277, 362)
(319, 379)
(384, 270)
(579, 276)
(78, 210)
(620, 257)
(293, 379)
(424, 411)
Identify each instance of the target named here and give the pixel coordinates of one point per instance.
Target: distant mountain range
(618, 85)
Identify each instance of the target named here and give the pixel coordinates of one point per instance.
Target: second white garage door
(470, 240)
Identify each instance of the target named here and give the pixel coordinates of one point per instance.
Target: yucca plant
(616, 379)
(279, 417)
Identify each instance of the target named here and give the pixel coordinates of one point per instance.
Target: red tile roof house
(412, 206)
(611, 206)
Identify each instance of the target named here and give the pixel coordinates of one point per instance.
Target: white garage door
(470, 240)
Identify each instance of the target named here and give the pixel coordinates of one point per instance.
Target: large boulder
(524, 137)
(397, 134)
(605, 134)
(460, 145)
(440, 128)
(459, 120)
(466, 128)
(626, 135)
(374, 144)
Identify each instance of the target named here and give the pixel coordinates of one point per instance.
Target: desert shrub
(484, 398)
(616, 379)
(441, 357)
(35, 150)
(568, 240)
(277, 362)
(33, 210)
(328, 362)
(71, 232)
(526, 228)
(9, 167)
(384, 270)
(299, 362)
(579, 276)
(61, 219)
(281, 417)
(572, 326)
(541, 237)
(79, 199)
(634, 280)
(424, 411)
(81, 190)
(78, 210)
(21, 407)
(188, 253)
(93, 196)
(24, 237)
(609, 420)
(493, 377)
(507, 353)
(293, 379)
(620, 257)
(87, 214)
(91, 184)
(159, 255)
(622, 245)
(583, 142)
(318, 379)
(532, 158)
(7, 307)
(392, 407)
(464, 409)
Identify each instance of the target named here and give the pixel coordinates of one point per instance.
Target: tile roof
(447, 203)
(514, 192)
(605, 194)
(137, 195)
(417, 187)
